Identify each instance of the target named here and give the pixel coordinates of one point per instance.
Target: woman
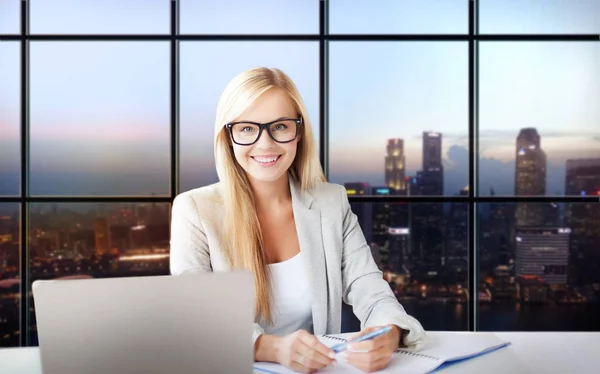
(274, 213)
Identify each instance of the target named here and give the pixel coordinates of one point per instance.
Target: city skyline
(98, 121)
(66, 244)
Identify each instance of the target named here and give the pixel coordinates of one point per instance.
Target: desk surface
(530, 352)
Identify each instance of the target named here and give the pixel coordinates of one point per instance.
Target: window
(539, 17)
(398, 17)
(538, 113)
(202, 83)
(10, 115)
(99, 17)
(237, 17)
(398, 116)
(422, 250)
(10, 274)
(463, 132)
(10, 21)
(99, 118)
(541, 277)
(96, 240)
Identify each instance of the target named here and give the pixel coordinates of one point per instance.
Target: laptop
(185, 324)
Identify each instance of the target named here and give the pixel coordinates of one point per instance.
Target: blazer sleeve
(364, 288)
(190, 252)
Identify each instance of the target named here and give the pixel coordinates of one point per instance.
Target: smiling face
(267, 160)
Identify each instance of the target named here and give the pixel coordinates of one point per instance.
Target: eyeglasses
(283, 130)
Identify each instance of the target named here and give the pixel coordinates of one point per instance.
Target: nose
(265, 141)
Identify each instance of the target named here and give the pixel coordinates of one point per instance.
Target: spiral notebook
(441, 349)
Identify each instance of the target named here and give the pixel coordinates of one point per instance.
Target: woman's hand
(303, 352)
(375, 354)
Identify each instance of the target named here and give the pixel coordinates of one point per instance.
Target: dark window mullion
(323, 86)
(472, 275)
(174, 107)
(24, 218)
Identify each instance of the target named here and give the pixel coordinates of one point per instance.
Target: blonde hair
(242, 234)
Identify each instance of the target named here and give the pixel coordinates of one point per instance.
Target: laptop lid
(193, 323)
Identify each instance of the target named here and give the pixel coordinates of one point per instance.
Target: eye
(247, 129)
(280, 127)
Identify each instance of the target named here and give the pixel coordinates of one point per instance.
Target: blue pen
(371, 335)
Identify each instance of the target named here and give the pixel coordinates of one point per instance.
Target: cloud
(493, 174)
(501, 134)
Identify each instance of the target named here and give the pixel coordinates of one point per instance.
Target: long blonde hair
(242, 233)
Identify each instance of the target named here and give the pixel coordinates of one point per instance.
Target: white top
(291, 301)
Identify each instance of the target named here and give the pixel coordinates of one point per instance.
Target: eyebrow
(273, 120)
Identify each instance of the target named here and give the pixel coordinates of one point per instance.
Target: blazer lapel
(308, 227)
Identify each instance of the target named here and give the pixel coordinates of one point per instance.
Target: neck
(271, 195)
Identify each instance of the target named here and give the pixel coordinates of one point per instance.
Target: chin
(267, 175)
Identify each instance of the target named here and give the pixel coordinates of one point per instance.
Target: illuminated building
(395, 166)
(102, 236)
(530, 177)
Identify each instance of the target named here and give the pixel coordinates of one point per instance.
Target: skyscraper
(381, 212)
(432, 175)
(543, 252)
(427, 228)
(395, 164)
(530, 176)
(363, 211)
(432, 150)
(583, 178)
(102, 236)
(497, 245)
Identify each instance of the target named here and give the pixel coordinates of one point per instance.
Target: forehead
(269, 106)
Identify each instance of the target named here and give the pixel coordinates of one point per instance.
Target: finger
(305, 361)
(323, 354)
(316, 344)
(310, 357)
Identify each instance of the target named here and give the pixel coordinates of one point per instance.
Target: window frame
(473, 37)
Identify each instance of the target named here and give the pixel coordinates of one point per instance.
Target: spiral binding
(335, 338)
(414, 354)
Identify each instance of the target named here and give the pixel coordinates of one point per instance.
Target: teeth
(265, 160)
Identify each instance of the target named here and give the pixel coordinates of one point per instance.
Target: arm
(190, 252)
(364, 288)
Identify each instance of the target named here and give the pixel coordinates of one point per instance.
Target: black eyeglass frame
(265, 126)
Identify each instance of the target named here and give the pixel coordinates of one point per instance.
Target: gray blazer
(341, 265)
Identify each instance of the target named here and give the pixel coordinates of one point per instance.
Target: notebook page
(440, 348)
(401, 363)
(453, 346)
(272, 368)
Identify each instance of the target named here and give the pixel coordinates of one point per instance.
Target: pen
(368, 336)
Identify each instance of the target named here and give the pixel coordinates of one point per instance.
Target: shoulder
(329, 195)
(203, 201)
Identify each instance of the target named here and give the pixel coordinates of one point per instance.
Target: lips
(266, 159)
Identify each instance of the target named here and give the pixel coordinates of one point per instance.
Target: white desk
(530, 352)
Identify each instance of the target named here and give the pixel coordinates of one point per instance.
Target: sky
(99, 118)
